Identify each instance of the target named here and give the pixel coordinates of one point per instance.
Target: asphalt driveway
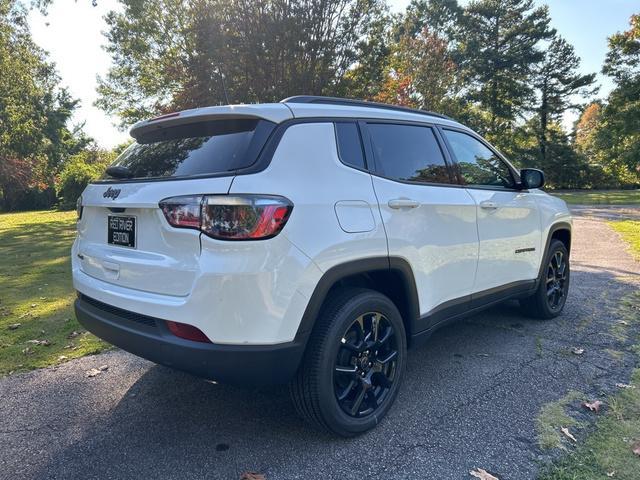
(470, 399)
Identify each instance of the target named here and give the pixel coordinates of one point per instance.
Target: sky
(72, 34)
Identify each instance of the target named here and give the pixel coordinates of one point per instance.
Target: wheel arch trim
(362, 266)
(553, 229)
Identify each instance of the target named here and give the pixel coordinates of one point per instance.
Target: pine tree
(499, 49)
(557, 80)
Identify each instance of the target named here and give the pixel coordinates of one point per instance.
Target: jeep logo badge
(111, 193)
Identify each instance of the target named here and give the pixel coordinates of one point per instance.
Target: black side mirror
(531, 178)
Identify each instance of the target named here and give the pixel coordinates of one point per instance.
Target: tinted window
(195, 149)
(408, 152)
(349, 145)
(477, 164)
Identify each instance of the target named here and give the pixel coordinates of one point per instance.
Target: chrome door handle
(488, 205)
(398, 203)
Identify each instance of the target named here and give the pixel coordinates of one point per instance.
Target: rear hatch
(123, 236)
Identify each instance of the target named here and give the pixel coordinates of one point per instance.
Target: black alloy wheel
(353, 363)
(365, 365)
(556, 281)
(553, 284)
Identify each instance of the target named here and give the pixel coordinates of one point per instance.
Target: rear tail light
(229, 217)
(188, 332)
(79, 207)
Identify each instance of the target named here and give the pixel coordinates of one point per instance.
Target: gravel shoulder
(470, 399)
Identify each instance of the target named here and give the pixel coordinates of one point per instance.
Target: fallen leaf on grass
(13, 326)
(34, 305)
(593, 406)
(635, 448)
(624, 385)
(62, 357)
(567, 433)
(252, 476)
(611, 474)
(27, 351)
(73, 334)
(93, 372)
(44, 343)
(577, 351)
(482, 474)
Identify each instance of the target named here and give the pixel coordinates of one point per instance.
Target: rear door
(429, 219)
(123, 236)
(508, 218)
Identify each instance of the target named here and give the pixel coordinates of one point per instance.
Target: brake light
(229, 217)
(188, 332)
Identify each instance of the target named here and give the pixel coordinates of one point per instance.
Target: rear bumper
(149, 338)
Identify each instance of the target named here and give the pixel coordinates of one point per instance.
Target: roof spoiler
(273, 112)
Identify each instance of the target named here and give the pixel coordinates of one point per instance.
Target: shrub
(78, 172)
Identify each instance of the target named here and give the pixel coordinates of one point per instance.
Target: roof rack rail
(357, 103)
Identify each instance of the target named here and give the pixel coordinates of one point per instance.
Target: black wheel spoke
(346, 390)
(350, 370)
(365, 364)
(385, 337)
(357, 347)
(381, 380)
(355, 408)
(390, 356)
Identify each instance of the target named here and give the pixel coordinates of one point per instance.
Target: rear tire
(553, 285)
(353, 364)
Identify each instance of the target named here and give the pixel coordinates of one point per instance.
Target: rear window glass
(203, 148)
(349, 144)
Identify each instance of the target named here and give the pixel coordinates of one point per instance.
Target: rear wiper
(119, 171)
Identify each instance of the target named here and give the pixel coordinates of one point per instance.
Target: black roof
(357, 103)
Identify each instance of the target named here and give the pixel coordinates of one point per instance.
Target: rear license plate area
(121, 231)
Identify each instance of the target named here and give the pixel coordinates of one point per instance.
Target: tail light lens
(188, 332)
(229, 217)
(79, 207)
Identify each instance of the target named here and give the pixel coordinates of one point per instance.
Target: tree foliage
(34, 112)
(176, 54)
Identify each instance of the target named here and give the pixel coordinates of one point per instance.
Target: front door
(508, 218)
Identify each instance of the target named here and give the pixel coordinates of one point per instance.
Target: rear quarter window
(196, 149)
(349, 144)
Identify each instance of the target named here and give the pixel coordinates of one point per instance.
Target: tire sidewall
(338, 420)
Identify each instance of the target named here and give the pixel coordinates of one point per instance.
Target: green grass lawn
(630, 231)
(36, 293)
(600, 197)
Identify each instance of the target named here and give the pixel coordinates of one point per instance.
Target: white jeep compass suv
(310, 242)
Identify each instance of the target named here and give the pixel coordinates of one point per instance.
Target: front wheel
(353, 363)
(553, 285)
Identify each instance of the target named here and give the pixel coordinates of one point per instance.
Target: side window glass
(477, 164)
(349, 144)
(408, 153)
